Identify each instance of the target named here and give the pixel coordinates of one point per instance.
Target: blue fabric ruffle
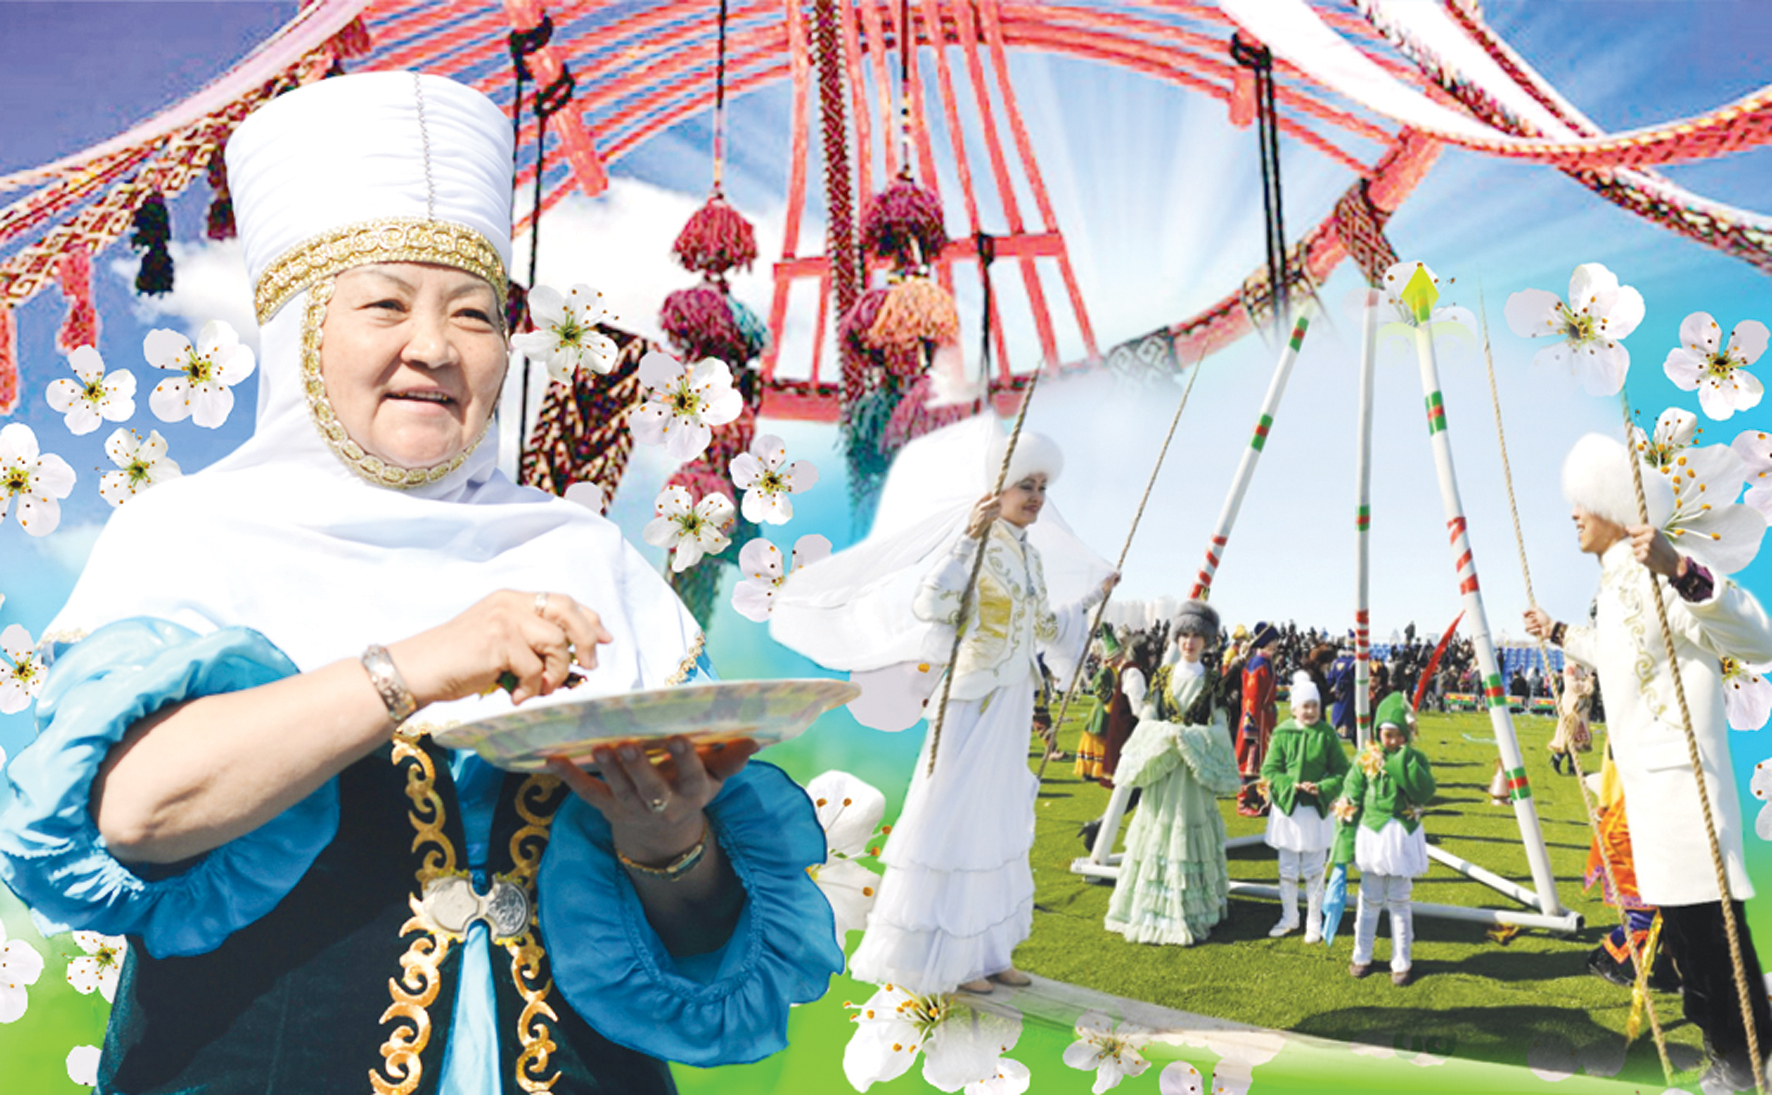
(51, 852)
(726, 1007)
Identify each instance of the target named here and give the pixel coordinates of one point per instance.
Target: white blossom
(23, 678)
(1755, 449)
(683, 403)
(83, 1065)
(960, 1044)
(140, 465)
(100, 966)
(203, 390)
(97, 397)
(1588, 330)
(1761, 786)
(1718, 372)
(35, 479)
(849, 810)
(767, 484)
(566, 335)
(1180, 1078)
(1012, 1078)
(20, 966)
(688, 531)
(1747, 695)
(759, 561)
(1707, 523)
(1109, 1049)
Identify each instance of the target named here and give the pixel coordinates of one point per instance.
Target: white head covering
(1597, 477)
(288, 535)
(1304, 690)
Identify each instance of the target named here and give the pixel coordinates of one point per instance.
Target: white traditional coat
(1626, 648)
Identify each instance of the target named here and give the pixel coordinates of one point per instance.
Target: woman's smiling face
(413, 357)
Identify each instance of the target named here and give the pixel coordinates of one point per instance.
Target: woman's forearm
(696, 913)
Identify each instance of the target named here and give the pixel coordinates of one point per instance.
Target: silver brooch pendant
(452, 905)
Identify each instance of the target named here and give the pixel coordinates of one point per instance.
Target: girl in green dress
(1302, 774)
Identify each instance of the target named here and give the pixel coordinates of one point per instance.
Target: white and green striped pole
(1363, 524)
(1419, 296)
(1246, 470)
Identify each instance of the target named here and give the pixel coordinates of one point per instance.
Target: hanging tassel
(751, 326)
(8, 361)
(853, 328)
(902, 215)
(915, 309)
(221, 205)
(700, 324)
(715, 240)
(80, 327)
(153, 228)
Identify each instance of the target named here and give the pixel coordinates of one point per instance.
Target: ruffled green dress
(1173, 884)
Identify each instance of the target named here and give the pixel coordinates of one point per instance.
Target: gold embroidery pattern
(527, 845)
(326, 420)
(416, 988)
(687, 665)
(389, 239)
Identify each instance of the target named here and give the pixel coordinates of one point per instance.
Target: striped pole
(1246, 470)
(1477, 621)
(1363, 525)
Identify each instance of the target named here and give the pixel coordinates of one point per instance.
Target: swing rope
(1639, 962)
(1100, 608)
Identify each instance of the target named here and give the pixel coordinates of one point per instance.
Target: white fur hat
(1597, 478)
(1033, 452)
(1304, 690)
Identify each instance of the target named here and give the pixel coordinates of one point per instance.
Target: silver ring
(658, 805)
(541, 604)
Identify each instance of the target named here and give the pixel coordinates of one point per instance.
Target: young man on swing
(1709, 617)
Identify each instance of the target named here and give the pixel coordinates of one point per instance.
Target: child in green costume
(1380, 814)
(1301, 776)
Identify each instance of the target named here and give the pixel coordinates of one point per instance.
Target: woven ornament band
(389, 239)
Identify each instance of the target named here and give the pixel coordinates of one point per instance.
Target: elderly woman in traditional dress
(315, 893)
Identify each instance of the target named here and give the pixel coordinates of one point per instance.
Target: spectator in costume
(1301, 776)
(1710, 617)
(1110, 706)
(1341, 694)
(1259, 711)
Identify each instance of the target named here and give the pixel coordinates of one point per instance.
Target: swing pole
(1363, 524)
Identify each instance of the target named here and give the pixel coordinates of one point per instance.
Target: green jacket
(1307, 754)
(1106, 681)
(1401, 787)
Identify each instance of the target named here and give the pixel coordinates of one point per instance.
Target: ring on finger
(541, 604)
(659, 804)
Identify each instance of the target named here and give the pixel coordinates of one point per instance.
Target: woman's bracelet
(676, 868)
(388, 683)
(1557, 631)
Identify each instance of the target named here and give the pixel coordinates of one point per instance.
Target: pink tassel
(716, 240)
(901, 360)
(902, 213)
(221, 205)
(8, 361)
(700, 325)
(80, 328)
(915, 309)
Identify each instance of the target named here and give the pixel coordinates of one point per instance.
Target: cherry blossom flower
(1761, 786)
(20, 966)
(1675, 432)
(1588, 329)
(849, 810)
(766, 484)
(760, 563)
(1012, 1078)
(35, 479)
(100, 966)
(20, 681)
(894, 698)
(203, 390)
(1747, 695)
(688, 531)
(1755, 449)
(97, 397)
(683, 403)
(1720, 375)
(1707, 523)
(1180, 1078)
(83, 1065)
(140, 465)
(1110, 1049)
(961, 1044)
(566, 335)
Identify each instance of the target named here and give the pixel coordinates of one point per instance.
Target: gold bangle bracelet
(676, 868)
(388, 683)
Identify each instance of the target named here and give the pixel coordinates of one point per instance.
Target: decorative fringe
(80, 327)
(715, 240)
(751, 325)
(914, 417)
(853, 328)
(901, 214)
(221, 206)
(915, 309)
(701, 324)
(517, 319)
(352, 41)
(8, 361)
(153, 228)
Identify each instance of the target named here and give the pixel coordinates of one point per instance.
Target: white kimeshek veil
(283, 536)
(852, 611)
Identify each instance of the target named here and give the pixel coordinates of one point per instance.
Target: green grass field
(1474, 997)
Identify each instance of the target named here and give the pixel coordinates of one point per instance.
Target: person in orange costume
(1259, 714)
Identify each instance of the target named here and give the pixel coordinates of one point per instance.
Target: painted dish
(709, 714)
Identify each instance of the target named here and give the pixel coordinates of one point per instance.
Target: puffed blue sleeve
(51, 852)
(726, 1007)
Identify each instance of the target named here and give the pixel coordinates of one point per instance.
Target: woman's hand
(1308, 788)
(983, 514)
(654, 810)
(535, 637)
(1108, 583)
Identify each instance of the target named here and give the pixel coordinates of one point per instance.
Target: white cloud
(208, 282)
